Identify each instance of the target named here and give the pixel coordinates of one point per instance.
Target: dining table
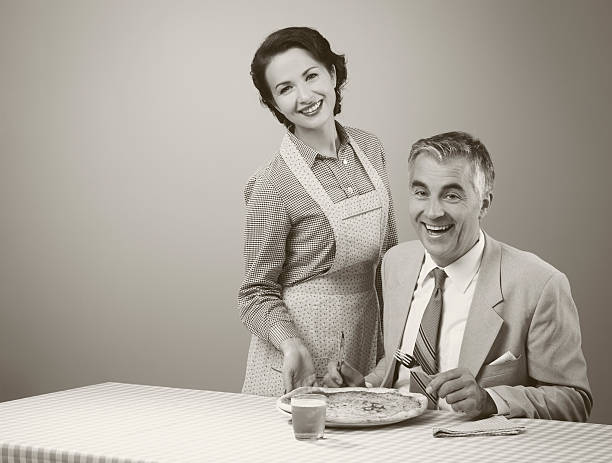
(119, 423)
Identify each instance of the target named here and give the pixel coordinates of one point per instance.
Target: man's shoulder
(525, 267)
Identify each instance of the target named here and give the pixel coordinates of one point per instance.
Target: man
(490, 329)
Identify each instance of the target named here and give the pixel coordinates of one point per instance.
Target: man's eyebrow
(453, 186)
(450, 186)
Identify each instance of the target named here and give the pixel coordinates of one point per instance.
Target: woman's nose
(304, 93)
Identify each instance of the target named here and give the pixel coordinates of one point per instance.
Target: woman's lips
(312, 109)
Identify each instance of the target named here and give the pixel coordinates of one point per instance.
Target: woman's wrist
(291, 345)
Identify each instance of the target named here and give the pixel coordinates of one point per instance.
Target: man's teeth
(441, 228)
(312, 109)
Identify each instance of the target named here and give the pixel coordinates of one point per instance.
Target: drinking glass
(308, 415)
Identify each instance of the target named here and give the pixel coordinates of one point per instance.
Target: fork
(405, 359)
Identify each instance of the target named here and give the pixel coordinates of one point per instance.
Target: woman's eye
(284, 90)
(312, 75)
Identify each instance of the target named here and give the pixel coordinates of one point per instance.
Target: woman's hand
(346, 375)
(298, 368)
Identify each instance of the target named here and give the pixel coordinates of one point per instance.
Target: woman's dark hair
(295, 37)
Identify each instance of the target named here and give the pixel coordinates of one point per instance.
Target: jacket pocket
(507, 373)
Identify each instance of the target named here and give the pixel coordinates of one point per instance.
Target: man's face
(445, 207)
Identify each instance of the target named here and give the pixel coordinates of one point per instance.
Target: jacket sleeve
(559, 388)
(377, 376)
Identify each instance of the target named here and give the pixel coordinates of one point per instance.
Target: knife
(341, 350)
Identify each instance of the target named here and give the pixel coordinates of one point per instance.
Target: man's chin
(436, 247)
(435, 241)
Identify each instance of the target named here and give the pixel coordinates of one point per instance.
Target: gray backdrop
(129, 128)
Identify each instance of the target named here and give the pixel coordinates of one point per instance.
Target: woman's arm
(262, 309)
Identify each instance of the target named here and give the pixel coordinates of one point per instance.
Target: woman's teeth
(313, 108)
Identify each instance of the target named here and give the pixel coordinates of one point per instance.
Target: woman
(319, 218)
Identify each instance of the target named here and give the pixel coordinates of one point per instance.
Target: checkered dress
(288, 239)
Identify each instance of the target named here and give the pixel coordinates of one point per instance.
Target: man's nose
(434, 209)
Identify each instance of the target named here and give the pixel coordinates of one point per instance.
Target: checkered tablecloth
(113, 422)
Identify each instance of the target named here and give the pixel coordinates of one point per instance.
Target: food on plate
(360, 405)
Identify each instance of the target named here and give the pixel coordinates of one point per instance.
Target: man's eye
(453, 197)
(419, 193)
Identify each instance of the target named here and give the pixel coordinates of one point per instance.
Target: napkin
(497, 425)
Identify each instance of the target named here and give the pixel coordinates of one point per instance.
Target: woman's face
(302, 88)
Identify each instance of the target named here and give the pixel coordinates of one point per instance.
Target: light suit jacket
(521, 304)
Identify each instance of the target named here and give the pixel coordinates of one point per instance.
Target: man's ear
(485, 205)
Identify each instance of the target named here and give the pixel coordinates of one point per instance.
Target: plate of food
(362, 406)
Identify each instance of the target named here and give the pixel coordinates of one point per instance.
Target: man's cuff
(282, 331)
(502, 406)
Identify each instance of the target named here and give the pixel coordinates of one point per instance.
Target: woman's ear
(332, 73)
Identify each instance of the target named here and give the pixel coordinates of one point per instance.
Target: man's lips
(437, 230)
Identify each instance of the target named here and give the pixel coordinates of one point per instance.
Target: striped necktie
(426, 346)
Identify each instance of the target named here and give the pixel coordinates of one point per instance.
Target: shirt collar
(310, 154)
(463, 270)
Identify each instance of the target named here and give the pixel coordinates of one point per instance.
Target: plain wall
(129, 128)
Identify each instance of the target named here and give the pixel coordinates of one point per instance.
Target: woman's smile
(303, 89)
(312, 109)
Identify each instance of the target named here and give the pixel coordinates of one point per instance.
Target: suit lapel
(483, 323)
(405, 275)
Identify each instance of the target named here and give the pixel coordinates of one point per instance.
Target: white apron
(342, 299)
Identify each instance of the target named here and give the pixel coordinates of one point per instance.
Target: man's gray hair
(459, 145)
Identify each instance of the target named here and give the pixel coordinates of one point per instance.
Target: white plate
(283, 404)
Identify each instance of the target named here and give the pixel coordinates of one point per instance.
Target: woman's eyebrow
(309, 69)
(303, 73)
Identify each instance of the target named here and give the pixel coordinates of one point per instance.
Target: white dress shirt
(457, 296)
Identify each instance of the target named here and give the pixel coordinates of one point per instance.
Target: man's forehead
(428, 168)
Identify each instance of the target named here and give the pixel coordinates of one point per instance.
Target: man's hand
(463, 393)
(346, 375)
(298, 368)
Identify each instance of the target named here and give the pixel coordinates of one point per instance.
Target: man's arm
(560, 389)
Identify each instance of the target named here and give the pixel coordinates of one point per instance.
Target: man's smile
(437, 230)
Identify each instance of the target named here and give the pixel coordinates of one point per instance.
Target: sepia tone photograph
(313, 231)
